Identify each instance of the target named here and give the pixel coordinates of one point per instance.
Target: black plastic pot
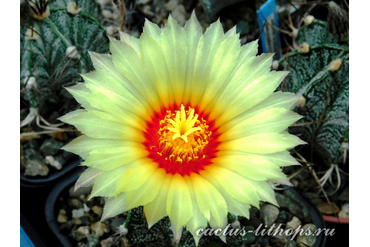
(52, 204)
(54, 175)
(316, 216)
(61, 188)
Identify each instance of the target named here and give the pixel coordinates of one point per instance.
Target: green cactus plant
(55, 39)
(320, 76)
(45, 57)
(160, 234)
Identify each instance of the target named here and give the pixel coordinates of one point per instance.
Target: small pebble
(293, 224)
(325, 208)
(81, 233)
(344, 212)
(98, 210)
(269, 214)
(99, 228)
(62, 217)
(77, 213)
(307, 241)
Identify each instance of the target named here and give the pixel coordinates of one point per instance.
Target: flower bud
(42, 15)
(107, 14)
(275, 64)
(301, 101)
(73, 9)
(111, 30)
(335, 64)
(72, 52)
(303, 48)
(31, 34)
(235, 224)
(31, 83)
(308, 20)
(294, 33)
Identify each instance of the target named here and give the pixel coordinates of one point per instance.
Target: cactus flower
(183, 123)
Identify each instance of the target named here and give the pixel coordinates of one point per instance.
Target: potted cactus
(55, 39)
(319, 76)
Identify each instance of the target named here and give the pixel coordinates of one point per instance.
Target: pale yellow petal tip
(90, 197)
(176, 234)
(231, 32)
(71, 115)
(171, 20)
(300, 142)
(192, 20)
(193, 17)
(150, 26)
(104, 217)
(76, 187)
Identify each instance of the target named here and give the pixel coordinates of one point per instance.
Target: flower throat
(182, 136)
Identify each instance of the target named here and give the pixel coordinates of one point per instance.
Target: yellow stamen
(182, 137)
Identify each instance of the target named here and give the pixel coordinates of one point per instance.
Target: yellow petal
(130, 40)
(105, 67)
(219, 227)
(136, 176)
(87, 178)
(156, 210)
(265, 191)
(71, 115)
(198, 220)
(155, 67)
(273, 120)
(208, 45)
(255, 167)
(250, 95)
(105, 182)
(79, 92)
(152, 30)
(84, 145)
(111, 111)
(102, 128)
(175, 49)
(113, 89)
(276, 100)
(281, 159)
(179, 205)
(209, 200)
(109, 158)
(147, 191)
(262, 143)
(193, 33)
(247, 52)
(223, 65)
(130, 65)
(233, 206)
(237, 186)
(114, 206)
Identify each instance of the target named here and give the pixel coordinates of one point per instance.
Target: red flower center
(181, 141)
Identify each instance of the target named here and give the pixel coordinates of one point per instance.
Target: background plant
(55, 40)
(319, 75)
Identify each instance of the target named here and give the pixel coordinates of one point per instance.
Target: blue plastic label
(25, 241)
(269, 23)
